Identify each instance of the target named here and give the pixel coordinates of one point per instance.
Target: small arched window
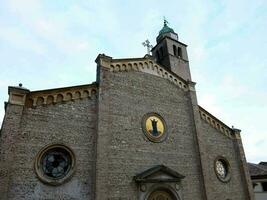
(180, 54)
(157, 55)
(174, 50)
(161, 52)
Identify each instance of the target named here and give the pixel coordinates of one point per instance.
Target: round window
(55, 164)
(222, 169)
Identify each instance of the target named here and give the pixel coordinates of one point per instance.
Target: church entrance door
(161, 195)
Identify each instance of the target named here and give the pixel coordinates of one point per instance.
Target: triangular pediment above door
(159, 173)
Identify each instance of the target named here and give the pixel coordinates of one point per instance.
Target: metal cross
(165, 21)
(148, 46)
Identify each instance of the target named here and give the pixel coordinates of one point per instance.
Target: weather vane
(148, 46)
(165, 21)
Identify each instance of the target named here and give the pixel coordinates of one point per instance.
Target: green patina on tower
(166, 28)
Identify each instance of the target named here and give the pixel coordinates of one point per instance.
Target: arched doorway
(161, 195)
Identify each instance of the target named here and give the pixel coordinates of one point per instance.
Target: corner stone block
(17, 95)
(103, 60)
(191, 85)
(237, 133)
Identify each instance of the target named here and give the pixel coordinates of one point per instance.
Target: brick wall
(123, 150)
(217, 144)
(73, 124)
(106, 136)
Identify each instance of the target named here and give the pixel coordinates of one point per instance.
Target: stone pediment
(159, 173)
(144, 65)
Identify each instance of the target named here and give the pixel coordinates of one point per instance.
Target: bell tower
(171, 53)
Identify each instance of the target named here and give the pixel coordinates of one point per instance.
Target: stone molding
(53, 96)
(216, 123)
(144, 65)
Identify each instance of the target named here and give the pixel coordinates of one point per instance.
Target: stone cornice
(145, 65)
(58, 95)
(216, 123)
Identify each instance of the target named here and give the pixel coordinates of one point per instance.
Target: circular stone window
(222, 169)
(154, 127)
(55, 164)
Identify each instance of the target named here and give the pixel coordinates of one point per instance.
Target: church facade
(137, 133)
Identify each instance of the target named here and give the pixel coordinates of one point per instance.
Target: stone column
(9, 132)
(243, 164)
(199, 143)
(102, 136)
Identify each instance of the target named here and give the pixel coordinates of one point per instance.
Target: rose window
(222, 169)
(56, 163)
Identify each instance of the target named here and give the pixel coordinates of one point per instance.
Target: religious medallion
(154, 127)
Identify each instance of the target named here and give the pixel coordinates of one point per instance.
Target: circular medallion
(222, 169)
(54, 164)
(154, 127)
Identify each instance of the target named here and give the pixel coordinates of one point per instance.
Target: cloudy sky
(46, 44)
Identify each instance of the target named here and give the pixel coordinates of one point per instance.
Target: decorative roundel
(222, 169)
(55, 164)
(154, 127)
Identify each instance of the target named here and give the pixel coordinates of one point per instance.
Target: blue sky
(47, 44)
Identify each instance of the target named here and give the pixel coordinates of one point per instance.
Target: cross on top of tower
(165, 21)
(148, 46)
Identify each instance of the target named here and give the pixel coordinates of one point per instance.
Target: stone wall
(218, 144)
(122, 148)
(9, 131)
(104, 130)
(71, 123)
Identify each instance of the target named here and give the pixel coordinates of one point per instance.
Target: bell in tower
(171, 53)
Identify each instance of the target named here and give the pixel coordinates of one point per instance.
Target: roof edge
(218, 124)
(93, 84)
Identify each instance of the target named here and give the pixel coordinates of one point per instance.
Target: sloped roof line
(94, 84)
(216, 123)
(257, 170)
(149, 59)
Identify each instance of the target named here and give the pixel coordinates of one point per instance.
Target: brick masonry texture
(106, 136)
(123, 150)
(73, 124)
(217, 144)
